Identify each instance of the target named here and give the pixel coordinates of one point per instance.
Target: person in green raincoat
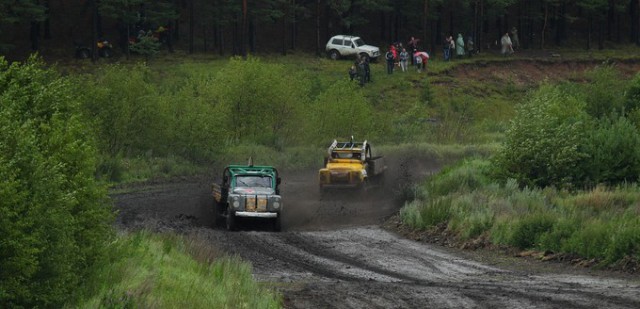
(460, 46)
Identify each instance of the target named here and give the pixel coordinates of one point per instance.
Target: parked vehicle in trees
(340, 46)
(248, 191)
(350, 165)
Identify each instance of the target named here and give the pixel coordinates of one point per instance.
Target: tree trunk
(638, 22)
(284, 33)
(425, 14)
(601, 35)
(221, 42)
(191, 26)
(204, 38)
(318, 47)
(47, 21)
(481, 31)
(34, 35)
(383, 26)
(243, 29)
(294, 25)
(94, 30)
(544, 24)
(589, 31)
(252, 35)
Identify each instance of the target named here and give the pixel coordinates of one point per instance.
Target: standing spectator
(367, 70)
(470, 46)
(452, 45)
(404, 56)
(353, 72)
(413, 46)
(447, 49)
(424, 58)
(361, 70)
(413, 43)
(390, 61)
(514, 38)
(507, 48)
(460, 46)
(418, 61)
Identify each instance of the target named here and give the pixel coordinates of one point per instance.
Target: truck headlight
(236, 204)
(276, 205)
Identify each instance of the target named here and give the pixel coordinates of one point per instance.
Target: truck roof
(252, 170)
(348, 146)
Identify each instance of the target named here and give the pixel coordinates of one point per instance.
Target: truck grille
(256, 203)
(339, 177)
(250, 204)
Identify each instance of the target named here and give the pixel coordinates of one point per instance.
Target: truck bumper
(250, 214)
(341, 185)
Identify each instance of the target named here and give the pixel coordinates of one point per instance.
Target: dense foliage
(55, 218)
(465, 200)
(202, 115)
(574, 136)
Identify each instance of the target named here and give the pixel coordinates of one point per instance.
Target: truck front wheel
(217, 214)
(231, 221)
(277, 224)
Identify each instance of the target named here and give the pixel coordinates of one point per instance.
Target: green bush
(55, 217)
(613, 149)
(542, 146)
(603, 94)
(340, 111)
(127, 112)
(264, 103)
(527, 231)
(465, 176)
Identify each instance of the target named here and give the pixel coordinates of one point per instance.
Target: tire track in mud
(352, 258)
(347, 263)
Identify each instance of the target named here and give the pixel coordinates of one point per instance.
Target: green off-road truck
(248, 191)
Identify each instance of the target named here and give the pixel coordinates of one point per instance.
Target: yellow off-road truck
(351, 165)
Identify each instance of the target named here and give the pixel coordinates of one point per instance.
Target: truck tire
(217, 214)
(231, 221)
(277, 224)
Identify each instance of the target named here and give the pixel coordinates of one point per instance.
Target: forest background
(52, 27)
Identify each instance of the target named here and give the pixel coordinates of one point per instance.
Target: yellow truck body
(350, 165)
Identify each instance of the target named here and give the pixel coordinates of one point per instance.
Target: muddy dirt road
(333, 254)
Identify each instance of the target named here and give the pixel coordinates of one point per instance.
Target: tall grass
(208, 111)
(169, 271)
(601, 223)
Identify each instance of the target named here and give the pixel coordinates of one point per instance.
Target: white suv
(347, 45)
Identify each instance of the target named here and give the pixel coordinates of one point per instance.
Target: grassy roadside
(462, 201)
(168, 271)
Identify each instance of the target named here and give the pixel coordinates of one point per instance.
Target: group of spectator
(460, 46)
(398, 56)
(509, 43)
(360, 70)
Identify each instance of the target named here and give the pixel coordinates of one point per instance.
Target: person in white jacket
(507, 46)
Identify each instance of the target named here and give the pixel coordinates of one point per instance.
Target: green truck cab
(248, 191)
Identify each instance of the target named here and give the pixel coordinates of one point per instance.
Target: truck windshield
(358, 42)
(345, 155)
(253, 181)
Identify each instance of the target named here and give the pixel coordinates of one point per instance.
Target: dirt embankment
(530, 72)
